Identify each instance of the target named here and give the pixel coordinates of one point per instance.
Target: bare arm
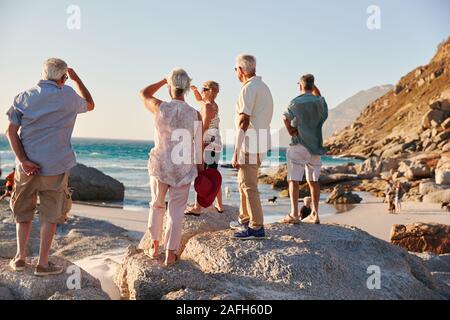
(198, 96)
(81, 89)
(292, 131)
(244, 123)
(147, 96)
(199, 144)
(208, 112)
(29, 167)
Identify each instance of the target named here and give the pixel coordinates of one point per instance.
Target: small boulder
(421, 237)
(340, 196)
(90, 184)
(432, 115)
(26, 286)
(442, 172)
(437, 196)
(418, 170)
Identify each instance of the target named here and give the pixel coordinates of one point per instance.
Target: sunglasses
(206, 89)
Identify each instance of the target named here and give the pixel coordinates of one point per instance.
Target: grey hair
(307, 81)
(247, 63)
(179, 82)
(54, 69)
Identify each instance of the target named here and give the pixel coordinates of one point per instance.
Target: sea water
(126, 161)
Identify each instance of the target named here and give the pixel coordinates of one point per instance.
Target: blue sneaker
(251, 234)
(236, 225)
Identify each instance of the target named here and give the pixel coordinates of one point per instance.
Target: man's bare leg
(23, 230)
(293, 195)
(314, 187)
(47, 232)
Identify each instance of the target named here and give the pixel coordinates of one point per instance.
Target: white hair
(247, 63)
(179, 82)
(54, 69)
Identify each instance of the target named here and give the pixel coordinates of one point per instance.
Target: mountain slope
(412, 118)
(347, 111)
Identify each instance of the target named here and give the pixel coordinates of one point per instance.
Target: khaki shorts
(54, 195)
(299, 160)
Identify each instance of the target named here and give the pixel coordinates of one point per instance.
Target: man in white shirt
(254, 111)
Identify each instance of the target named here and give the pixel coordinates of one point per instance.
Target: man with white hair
(45, 115)
(254, 111)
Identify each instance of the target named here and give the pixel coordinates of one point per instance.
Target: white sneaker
(236, 225)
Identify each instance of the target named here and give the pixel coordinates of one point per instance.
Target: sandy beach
(371, 217)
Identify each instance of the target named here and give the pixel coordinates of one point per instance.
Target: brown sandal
(290, 220)
(170, 264)
(147, 253)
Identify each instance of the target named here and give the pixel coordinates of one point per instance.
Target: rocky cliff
(413, 118)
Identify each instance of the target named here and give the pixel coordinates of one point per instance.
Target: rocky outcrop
(90, 184)
(340, 196)
(296, 262)
(406, 133)
(25, 286)
(421, 237)
(411, 119)
(78, 238)
(126, 275)
(207, 222)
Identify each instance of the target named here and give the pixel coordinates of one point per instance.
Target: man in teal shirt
(304, 119)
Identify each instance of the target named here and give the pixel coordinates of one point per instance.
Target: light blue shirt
(308, 113)
(46, 115)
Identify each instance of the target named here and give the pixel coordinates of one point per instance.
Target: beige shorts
(299, 160)
(54, 195)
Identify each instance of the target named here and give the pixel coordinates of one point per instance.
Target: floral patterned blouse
(172, 160)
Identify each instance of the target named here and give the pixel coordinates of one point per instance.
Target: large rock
(436, 116)
(340, 196)
(418, 170)
(5, 294)
(296, 262)
(26, 286)
(81, 294)
(78, 238)
(90, 184)
(439, 265)
(421, 237)
(429, 186)
(209, 221)
(442, 174)
(438, 196)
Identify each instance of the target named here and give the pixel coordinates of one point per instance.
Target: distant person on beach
(390, 196)
(304, 119)
(212, 140)
(254, 111)
(9, 184)
(305, 211)
(46, 116)
(399, 192)
(170, 170)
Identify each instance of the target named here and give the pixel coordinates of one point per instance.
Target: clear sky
(123, 46)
